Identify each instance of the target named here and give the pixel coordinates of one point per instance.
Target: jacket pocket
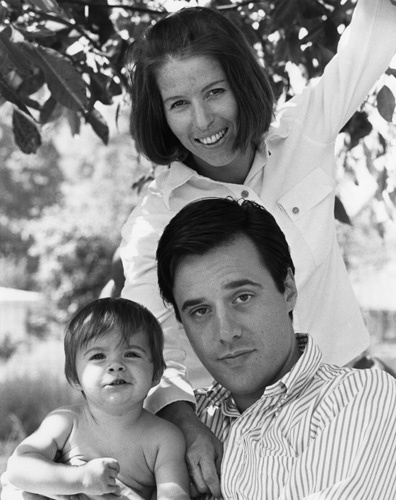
(310, 207)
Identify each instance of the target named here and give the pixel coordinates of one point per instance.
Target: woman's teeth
(213, 138)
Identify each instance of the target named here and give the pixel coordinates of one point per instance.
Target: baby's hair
(97, 318)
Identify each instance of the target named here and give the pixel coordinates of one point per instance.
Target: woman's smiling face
(202, 112)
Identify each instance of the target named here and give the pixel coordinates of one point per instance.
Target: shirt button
(295, 210)
(245, 194)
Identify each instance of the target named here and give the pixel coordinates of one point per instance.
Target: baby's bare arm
(170, 472)
(32, 466)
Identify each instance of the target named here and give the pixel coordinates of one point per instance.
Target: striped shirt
(320, 433)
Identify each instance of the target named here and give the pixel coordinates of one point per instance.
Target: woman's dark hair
(190, 32)
(206, 224)
(99, 317)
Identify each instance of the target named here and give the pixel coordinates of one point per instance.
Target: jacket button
(245, 194)
(295, 210)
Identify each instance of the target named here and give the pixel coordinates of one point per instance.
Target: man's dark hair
(192, 32)
(204, 225)
(99, 317)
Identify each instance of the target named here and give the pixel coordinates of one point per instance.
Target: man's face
(236, 319)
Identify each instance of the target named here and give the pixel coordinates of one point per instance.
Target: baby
(113, 351)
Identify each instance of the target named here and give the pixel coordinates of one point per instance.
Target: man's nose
(228, 327)
(202, 115)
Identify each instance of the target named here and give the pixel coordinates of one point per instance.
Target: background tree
(75, 241)
(27, 187)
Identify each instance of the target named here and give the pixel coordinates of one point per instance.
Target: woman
(202, 104)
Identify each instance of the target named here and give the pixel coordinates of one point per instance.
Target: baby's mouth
(118, 381)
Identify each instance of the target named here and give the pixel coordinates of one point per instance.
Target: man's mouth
(235, 354)
(213, 139)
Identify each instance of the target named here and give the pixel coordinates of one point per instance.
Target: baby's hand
(99, 476)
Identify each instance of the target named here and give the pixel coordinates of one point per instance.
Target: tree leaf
(100, 84)
(12, 55)
(95, 119)
(47, 109)
(386, 103)
(47, 6)
(26, 134)
(9, 94)
(340, 213)
(32, 83)
(64, 81)
(74, 121)
(3, 13)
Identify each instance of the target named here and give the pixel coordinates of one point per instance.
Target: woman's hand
(204, 450)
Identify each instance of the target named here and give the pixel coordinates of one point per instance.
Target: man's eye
(244, 297)
(98, 356)
(198, 313)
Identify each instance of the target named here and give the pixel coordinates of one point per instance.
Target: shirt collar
(304, 370)
(290, 384)
(180, 174)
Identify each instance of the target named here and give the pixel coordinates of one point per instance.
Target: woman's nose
(202, 116)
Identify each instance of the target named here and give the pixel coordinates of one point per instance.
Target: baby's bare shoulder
(160, 430)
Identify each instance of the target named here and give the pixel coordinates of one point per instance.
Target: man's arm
(204, 450)
(32, 467)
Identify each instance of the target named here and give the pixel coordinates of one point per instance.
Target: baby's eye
(133, 354)
(98, 356)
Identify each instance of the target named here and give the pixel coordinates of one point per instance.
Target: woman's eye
(97, 356)
(216, 92)
(177, 104)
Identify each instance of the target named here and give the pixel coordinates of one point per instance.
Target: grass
(32, 384)
(6, 449)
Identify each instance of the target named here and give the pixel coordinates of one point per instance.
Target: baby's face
(114, 374)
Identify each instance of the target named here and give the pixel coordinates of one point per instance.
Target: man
(293, 428)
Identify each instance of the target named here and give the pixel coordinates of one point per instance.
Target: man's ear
(290, 293)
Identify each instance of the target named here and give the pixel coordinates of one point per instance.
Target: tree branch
(133, 8)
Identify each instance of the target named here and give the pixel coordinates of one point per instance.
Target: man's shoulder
(336, 387)
(328, 371)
